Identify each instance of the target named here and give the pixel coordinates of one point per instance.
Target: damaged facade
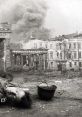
(11, 57)
(5, 35)
(54, 54)
(74, 60)
(55, 51)
(35, 59)
(65, 53)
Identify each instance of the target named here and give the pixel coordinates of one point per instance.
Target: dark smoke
(25, 15)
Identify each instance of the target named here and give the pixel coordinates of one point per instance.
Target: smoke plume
(25, 15)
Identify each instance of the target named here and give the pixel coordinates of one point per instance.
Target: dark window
(69, 45)
(70, 64)
(51, 64)
(79, 45)
(57, 54)
(17, 60)
(79, 54)
(74, 55)
(24, 60)
(69, 55)
(80, 64)
(51, 55)
(75, 63)
(60, 55)
(74, 45)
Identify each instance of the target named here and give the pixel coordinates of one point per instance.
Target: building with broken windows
(74, 59)
(30, 59)
(55, 54)
(55, 51)
(64, 53)
(5, 35)
(11, 56)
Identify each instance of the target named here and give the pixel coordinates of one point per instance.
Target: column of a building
(21, 60)
(7, 53)
(44, 61)
(39, 61)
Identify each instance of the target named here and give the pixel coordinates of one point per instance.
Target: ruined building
(5, 35)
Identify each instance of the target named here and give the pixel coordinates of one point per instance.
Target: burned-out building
(29, 59)
(5, 35)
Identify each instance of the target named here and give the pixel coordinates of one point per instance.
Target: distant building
(35, 44)
(55, 53)
(72, 51)
(74, 60)
(30, 59)
(64, 52)
(52, 55)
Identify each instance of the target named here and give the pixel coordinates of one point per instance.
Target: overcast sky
(64, 16)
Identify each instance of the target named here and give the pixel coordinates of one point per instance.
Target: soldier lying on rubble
(14, 96)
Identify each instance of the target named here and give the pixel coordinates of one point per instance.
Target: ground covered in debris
(67, 101)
